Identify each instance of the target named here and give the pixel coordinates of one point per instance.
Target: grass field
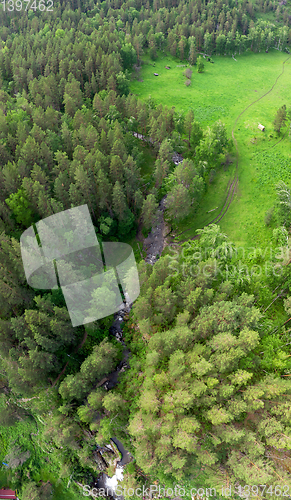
(223, 91)
(41, 467)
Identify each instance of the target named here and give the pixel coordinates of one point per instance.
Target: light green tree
(200, 64)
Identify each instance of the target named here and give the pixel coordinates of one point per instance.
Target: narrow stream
(154, 244)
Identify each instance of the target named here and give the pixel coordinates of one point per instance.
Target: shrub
(280, 236)
(200, 64)
(145, 231)
(188, 73)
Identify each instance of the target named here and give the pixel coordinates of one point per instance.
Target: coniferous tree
(118, 201)
(178, 203)
(149, 211)
(280, 119)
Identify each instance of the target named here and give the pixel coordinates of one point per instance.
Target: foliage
(280, 119)
(205, 397)
(21, 207)
(66, 122)
(200, 65)
(149, 211)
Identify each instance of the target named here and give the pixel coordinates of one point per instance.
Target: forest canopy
(206, 391)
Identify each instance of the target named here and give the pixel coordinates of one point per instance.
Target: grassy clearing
(20, 434)
(210, 206)
(223, 91)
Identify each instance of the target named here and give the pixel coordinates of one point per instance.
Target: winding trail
(233, 185)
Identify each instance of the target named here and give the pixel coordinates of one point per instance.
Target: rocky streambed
(114, 453)
(156, 241)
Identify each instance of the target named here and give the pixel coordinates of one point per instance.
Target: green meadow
(41, 466)
(223, 91)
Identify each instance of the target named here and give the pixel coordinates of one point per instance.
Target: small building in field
(156, 74)
(8, 494)
(261, 127)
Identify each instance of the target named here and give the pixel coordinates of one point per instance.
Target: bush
(280, 236)
(127, 226)
(107, 225)
(21, 207)
(187, 83)
(145, 231)
(200, 64)
(188, 73)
